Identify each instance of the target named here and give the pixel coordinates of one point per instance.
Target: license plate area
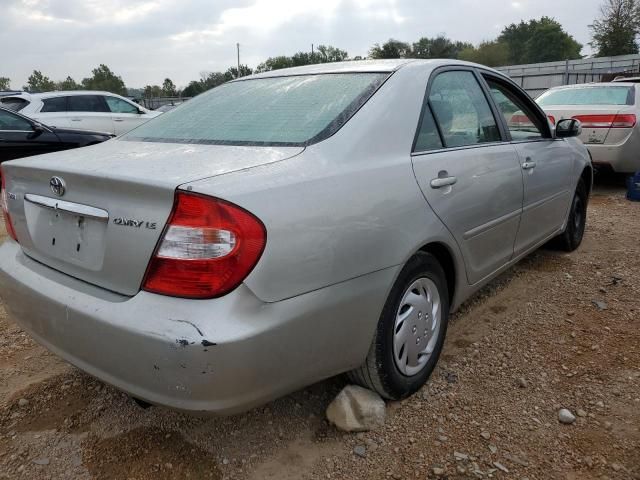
(72, 233)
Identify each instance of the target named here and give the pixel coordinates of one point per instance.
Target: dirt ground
(559, 330)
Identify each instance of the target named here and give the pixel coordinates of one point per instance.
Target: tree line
(614, 32)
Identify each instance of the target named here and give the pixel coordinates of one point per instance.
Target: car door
(90, 112)
(546, 163)
(469, 174)
(19, 139)
(126, 116)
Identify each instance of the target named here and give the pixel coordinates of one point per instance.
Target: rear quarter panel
(345, 207)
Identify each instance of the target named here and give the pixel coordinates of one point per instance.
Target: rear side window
(461, 110)
(591, 95)
(117, 105)
(15, 104)
(86, 103)
(292, 110)
(57, 104)
(428, 137)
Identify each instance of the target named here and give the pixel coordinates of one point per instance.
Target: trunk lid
(118, 196)
(590, 135)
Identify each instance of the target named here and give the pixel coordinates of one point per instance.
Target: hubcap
(417, 326)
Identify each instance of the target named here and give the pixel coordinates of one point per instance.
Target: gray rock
(23, 402)
(499, 466)
(565, 416)
(357, 409)
(581, 413)
(437, 471)
(522, 382)
(360, 451)
(600, 304)
(485, 435)
(460, 456)
(41, 461)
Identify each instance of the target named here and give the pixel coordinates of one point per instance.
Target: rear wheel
(410, 332)
(571, 238)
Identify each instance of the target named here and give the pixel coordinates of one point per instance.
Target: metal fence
(537, 77)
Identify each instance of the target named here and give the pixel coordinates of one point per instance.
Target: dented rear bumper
(219, 356)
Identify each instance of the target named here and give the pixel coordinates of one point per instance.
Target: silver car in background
(608, 113)
(288, 227)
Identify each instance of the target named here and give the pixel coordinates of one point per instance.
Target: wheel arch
(443, 254)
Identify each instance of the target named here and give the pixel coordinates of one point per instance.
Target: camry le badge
(57, 186)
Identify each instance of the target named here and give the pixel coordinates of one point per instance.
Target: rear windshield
(589, 96)
(294, 110)
(14, 103)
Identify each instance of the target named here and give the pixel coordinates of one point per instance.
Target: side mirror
(37, 131)
(569, 127)
(141, 112)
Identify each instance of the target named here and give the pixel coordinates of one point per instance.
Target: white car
(80, 110)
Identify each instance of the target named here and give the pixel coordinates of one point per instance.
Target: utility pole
(312, 49)
(238, 50)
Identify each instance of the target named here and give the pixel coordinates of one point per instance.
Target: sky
(146, 41)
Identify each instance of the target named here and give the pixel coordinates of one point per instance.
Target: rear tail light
(4, 200)
(208, 248)
(607, 121)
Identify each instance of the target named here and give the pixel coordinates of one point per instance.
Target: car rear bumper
(622, 158)
(219, 356)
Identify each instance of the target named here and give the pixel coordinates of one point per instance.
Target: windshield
(588, 96)
(293, 110)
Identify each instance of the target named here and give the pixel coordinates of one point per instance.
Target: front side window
(292, 110)
(588, 95)
(86, 103)
(461, 110)
(13, 122)
(57, 104)
(117, 105)
(522, 123)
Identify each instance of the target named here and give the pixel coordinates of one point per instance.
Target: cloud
(146, 41)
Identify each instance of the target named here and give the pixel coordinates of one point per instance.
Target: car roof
(360, 66)
(60, 93)
(593, 85)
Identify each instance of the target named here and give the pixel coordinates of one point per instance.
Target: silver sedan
(608, 113)
(287, 227)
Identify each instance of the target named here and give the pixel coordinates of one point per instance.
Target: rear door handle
(76, 119)
(443, 182)
(118, 120)
(528, 165)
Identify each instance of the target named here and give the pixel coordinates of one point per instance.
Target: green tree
(5, 83)
(390, 49)
(322, 54)
(244, 71)
(68, 84)
(275, 63)
(168, 88)
(37, 82)
(542, 40)
(491, 54)
(615, 31)
(438, 47)
(104, 79)
(327, 54)
(194, 88)
(152, 91)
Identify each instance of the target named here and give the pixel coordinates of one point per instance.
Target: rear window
(588, 96)
(14, 103)
(56, 104)
(294, 110)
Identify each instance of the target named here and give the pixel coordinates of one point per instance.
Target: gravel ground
(558, 331)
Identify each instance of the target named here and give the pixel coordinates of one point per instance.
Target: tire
(571, 238)
(393, 371)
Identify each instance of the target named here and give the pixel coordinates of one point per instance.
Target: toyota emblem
(57, 186)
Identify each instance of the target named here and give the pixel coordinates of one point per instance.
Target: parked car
(80, 110)
(627, 79)
(21, 136)
(609, 116)
(168, 106)
(287, 227)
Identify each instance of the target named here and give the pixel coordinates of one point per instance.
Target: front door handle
(529, 165)
(76, 119)
(118, 120)
(443, 182)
